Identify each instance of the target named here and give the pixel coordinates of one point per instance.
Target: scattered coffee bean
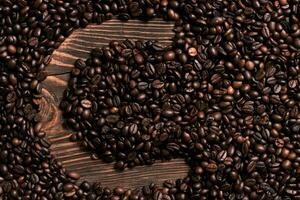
(224, 96)
(192, 51)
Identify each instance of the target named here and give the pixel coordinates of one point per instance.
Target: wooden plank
(74, 158)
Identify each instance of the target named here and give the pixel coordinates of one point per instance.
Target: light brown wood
(73, 157)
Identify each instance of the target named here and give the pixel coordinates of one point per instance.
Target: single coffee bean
(169, 56)
(139, 59)
(222, 155)
(80, 64)
(33, 41)
(286, 164)
(86, 103)
(157, 84)
(212, 167)
(250, 65)
(192, 51)
(11, 49)
(73, 175)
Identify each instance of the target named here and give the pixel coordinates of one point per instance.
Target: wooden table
(73, 157)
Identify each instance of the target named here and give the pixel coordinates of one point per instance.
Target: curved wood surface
(74, 158)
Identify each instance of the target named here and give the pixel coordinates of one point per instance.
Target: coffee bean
(80, 64)
(222, 155)
(133, 128)
(86, 103)
(212, 51)
(212, 167)
(112, 119)
(279, 143)
(297, 42)
(3, 169)
(283, 2)
(286, 164)
(192, 51)
(37, 3)
(285, 152)
(260, 148)
(16, 141)
(12, 49)
(139, 59)
(11, 97)
(217, 21)
(73, 175)
(33, 41)
(119, 191)
(169, 56)
(157, 84)
(249, 65)
(69, 194)
(12, 64)
(251, 166)
(142, 85)
(168, 113)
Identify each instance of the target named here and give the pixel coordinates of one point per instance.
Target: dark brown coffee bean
(73, 175)
(133, 128)
(157, 84)
(260, 148)
(249, 65)
(297, 43)
(251, 166)
(86, 103)
(11, 49)
(3, 169)
(168, 113)
(286, 164)
(139, 59)
(169, 56)
(68, 187)
(112, 119)
(33, 41)
(119, 191)
(192, 51)
(80, 64)
(212, 168)
(142, 85)
(11, 97)
(212, 51)
(12, 64)
(222, 155)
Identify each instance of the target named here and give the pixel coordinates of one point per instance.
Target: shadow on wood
(74, 158)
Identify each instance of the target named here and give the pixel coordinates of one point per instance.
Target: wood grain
(74, 158)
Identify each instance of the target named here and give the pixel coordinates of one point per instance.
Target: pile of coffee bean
(133, 102)
(230, 82)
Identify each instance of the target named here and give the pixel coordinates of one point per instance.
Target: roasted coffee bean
(12, 49)
(192, 52)
(169, 55)
(286, 164)
(222, 155)
(80, 64)
(251, 166)
(33, 41)
(112, 119)
(157, 84)
(73, 175)
(212, 168)
(86, 103)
